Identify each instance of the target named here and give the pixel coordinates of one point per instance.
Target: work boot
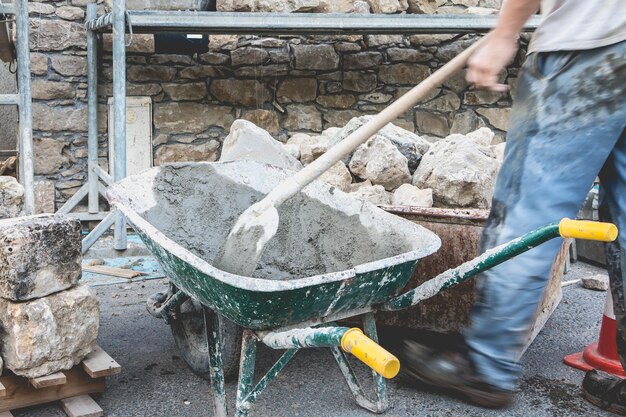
(605, 391)
(452, 372)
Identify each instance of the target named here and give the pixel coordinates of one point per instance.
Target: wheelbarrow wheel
(190, 334)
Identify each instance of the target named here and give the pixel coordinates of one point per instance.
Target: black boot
(605, 391)
(452, 372)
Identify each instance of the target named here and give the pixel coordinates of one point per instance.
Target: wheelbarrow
(334, 257)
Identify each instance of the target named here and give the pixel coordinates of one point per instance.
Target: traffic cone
(601, 355)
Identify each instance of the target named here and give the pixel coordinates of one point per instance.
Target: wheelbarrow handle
(351, 340)
(579, 229)
(588, 230)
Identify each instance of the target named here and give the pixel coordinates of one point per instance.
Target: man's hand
(486, 65)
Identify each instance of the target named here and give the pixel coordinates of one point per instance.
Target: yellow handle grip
(370, 353)
(583, 229)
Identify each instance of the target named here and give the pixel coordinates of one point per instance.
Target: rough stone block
(298, 90)
(44, 197)
(56, 35)
(245, 92)
(69, 65)
(316, 57)
(303, 117)
(11, 197)
(187, 117)
(182, 152)
(39, 255)
(49, 334)
(249, 142)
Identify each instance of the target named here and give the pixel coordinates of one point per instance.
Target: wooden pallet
(71, 388)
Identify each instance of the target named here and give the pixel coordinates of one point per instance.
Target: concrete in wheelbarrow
(156, 382)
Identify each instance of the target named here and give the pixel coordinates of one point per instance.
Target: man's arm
(489, 61)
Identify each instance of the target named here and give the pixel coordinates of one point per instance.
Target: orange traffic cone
(601, 355)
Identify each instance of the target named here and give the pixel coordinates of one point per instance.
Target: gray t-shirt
(570, 25)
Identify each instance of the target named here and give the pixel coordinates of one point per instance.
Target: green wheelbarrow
(334, 257)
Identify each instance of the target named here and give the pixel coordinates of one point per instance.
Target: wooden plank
(109, 270)
(98, 364)
(21, 394)
(51, 380)
(81, 406)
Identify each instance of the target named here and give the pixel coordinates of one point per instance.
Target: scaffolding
(23, 100)
(190, 22)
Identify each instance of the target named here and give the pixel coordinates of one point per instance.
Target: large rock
(11, 198)
(409, 195)
(246, 141)
(460, 172)
(40, 255)
(339, 176)
(409, 144)
(49, 334)
(374, 194)
(379, 161)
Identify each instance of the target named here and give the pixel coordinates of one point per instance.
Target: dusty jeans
(567, 126)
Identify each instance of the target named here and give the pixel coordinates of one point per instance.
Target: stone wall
(283, 84)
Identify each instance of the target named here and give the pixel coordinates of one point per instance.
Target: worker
(567, 127)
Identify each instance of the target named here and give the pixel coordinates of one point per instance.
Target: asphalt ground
(156, 382)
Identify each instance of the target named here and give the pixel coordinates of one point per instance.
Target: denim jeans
(567, 127)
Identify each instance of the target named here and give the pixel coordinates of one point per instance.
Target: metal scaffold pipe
(26, 165)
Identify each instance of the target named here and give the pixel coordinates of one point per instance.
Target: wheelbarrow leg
(246, 373)
(216, 370)
(380, 405)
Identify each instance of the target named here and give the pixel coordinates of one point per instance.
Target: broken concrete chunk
(409, 195)
(39, 255)
(408, 143)
(358, 185)
(598, 282)
(374, 194)
(460, 172)
(339, 176)
(483, 136)
(49, 334)
(498, 150)
(246, 141)
(379, 161)
(292, 150)
(11, 197)
(310, 147)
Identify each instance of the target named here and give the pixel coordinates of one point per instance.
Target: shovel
(259, 223)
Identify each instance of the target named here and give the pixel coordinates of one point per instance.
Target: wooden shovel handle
(302, 178)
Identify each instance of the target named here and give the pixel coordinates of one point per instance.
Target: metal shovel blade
(246, 241)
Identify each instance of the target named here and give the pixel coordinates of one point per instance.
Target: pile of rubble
(395, 166)
(49, 322)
